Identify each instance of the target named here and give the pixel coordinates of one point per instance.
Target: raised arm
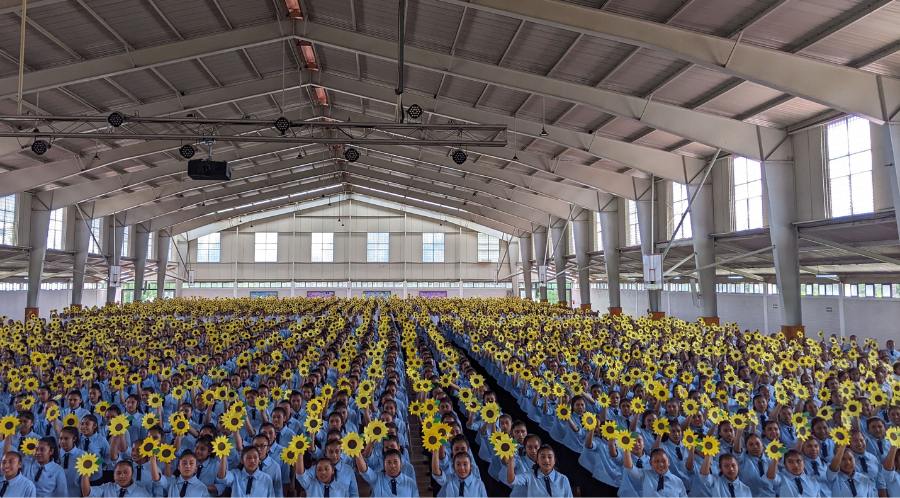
(707, 464)
(835, 464)
(435, 464)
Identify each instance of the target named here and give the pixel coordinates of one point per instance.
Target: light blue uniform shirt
(316, 488)
(647, 482)
(789, 485)
(719, 485)
(472, 485)
(537, 484)
(52, 479)
(112, 490)
(17, 486)
(859, 485)
(73, 480)
(383, 485)
(171, 486)
(238, 480)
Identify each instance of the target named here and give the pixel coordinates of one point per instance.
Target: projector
(207, 169)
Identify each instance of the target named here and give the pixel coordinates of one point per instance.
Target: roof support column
(40, 225)
(609, 232)
(646, 225)
(79, 266)
(141, 241)
(582, 231)
(540, 255)
(512, 252)
(114, 248)
(525, 251)
(702, 226)
(779, 183)
(181, 251)
(560, 249)
(893, 129)
(163, 241)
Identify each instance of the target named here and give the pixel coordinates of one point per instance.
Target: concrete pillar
(162, 260)
(779, 183)
(513, 260)
(702, 226)
(39, 227)
(892, 130)
(114, 236)
(583, 227)
(141, 240)
(540, 255)
(560, 240)
(646, 224)
(525, 250)
(609, 228)
(180, 257)
(79, 268)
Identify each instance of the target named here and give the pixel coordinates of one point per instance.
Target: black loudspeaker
(205, 169)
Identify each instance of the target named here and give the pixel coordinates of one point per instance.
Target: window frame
(746, 182)
(848, 156)
(487, 253)
(432, 249)
(377, 250)
(323, 250)
(208, 250)
(265, 247)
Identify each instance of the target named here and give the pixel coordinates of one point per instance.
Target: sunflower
(689, 439)
(180, 425)
(775, 450)
(52, 413)
(563, 413)
(505, 446)
(29, 445)
(803, 432)
(148, 447)
(798, 419)
(155, 400)
(709, 446)
(589, 421)
(149, 421)
(221, 447)
(853, 408)
(118, 425)
(739, 421)
(490, 412)
(299, 443)
(8, 425)
(70, 420)
(290, 456)
(660, 426)
(352, 444)
(375, 431)
(893, 436)
(261, 403)
(840, 435)
(603, 400)
(608, 429)
(626, 440)
(431, 440)
(313, 425)
(231, 421)
(87, 464)
(166, 453)
(637, 405)
(690, 407)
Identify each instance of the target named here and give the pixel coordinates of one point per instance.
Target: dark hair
(656, 451)
(54, 448)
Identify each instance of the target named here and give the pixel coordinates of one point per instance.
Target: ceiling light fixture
(351, 155)
(187, 151)
(116, 119)
(459, 156)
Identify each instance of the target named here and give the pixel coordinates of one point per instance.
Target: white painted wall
(12, 303)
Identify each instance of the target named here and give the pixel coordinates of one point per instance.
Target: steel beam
(850, 249)
(873, 96)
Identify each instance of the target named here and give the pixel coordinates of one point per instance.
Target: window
(209, 248)
(377, 247)
(150, 238)
(94, 241)
(8, 220)
(55, 230)
(433, 247)
(634, 228)
(266, 247)
(747, 194)
(850, 167)
(488, 248)
(322, 247)
(598, 242)
(680, 202)
(125, 241)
